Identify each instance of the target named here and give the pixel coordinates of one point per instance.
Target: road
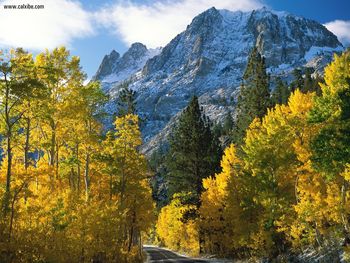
(158, 255)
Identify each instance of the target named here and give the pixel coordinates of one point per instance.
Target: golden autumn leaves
(70, 193)
(74, 194)
(270, 195)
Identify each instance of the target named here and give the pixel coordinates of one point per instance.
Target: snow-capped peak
(116, 69)
(208, 60)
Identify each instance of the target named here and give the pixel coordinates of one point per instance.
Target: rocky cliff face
(115, 69)
(107, 66)
(208, 60)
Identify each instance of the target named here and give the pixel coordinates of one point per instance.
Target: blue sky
(92, 28)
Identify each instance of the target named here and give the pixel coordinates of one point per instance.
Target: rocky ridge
(208, 60)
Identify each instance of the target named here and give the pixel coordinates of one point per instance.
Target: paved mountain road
(158, 255)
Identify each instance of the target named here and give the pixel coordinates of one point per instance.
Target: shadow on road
(157, 255)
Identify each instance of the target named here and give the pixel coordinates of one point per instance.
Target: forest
(70, 192)
(270, 180)
(282, 185)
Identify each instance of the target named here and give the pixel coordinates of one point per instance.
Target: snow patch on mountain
(320, 51)
(115, 69)
(208, 60)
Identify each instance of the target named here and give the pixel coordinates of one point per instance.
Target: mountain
(208, 59)
(116, 69)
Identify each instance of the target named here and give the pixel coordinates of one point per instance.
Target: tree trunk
(86, 176)
(133, 238)
(318, 235)
(110, 186)
(72, 179)
(56, 160)
(9, 162)
(78, 168)
(27, 144)
(26, 151)
(52, 146)
(9, 148)
(296, 184)
(52, 154)
(123, 182)
(345, 221)
(13, 210)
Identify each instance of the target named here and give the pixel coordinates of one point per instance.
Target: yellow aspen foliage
(289, 187)
(321, 190)
(219, 213)
(273, 152)
(60, 191)
(127, 175)
(336, 75)
(174, 228)
(346, 173)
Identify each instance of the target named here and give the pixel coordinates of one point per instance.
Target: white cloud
(57, 24)
(156, 24)
(341, 29)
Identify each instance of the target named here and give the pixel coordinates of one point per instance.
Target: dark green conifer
(194, 152)
(126, 100)
(281, 92)
(254, 97)
(228, 124)
(298, 82)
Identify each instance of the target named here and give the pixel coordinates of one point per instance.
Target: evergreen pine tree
(281, 93)
(317, 81)
(308, 81)
(194, 152)
(228, 124)
(157, 164)
(126, 102)
(298, 82)
(254, 96)
(311, 84)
